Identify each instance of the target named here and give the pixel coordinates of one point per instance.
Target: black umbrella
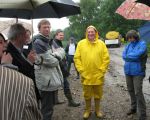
(146, 2)
(31, 9)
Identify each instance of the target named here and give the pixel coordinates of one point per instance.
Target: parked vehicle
(113, 39)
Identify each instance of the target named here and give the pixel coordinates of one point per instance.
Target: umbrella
(30, 9)
(146, 2)
(144, 32)
(132, 10)
(5, 25)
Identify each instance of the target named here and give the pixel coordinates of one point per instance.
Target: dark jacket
(41, 44)
(23, 65)
(27, 51)
(63, 63)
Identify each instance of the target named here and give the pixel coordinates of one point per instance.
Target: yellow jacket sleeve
(77, 59)
(106, 59)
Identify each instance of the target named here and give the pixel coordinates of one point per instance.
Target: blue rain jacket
(135, 57)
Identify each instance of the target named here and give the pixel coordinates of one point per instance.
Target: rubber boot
(71, 102)
(87, 111)
(98, 113)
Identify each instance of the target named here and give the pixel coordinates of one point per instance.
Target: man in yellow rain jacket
(92, 60)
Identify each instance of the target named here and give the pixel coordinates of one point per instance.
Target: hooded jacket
(91, 60)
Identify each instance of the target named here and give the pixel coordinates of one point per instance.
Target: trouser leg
(98, 93)
(47, 104)
(66, 85)
(68, 94)
(130, 87)
(87, 93)
(69, 63)
(56, 97)
(141, 105)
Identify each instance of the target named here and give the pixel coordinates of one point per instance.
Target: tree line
(101, 14)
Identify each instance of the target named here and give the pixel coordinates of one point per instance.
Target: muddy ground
(115, 102)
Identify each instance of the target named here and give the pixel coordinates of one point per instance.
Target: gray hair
(15, 30)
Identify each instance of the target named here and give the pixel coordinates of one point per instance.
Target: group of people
(43, 61)
(32, 71)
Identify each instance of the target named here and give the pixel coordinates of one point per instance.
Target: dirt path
(115, 102)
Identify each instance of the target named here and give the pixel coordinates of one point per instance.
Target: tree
(112, 21)
(101, 14)
(79, 23)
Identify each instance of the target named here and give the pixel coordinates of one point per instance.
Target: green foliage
(101, 14)
(148, 48)
(52, 34)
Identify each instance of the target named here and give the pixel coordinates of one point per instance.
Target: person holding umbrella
(135, 57)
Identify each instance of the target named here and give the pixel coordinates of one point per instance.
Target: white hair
(15, 30)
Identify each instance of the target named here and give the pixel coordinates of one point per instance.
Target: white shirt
(71, 49)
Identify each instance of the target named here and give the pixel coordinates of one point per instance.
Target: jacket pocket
(127, 68)
(135, 68)
(85, 75)
(98, 74)
(41, 78)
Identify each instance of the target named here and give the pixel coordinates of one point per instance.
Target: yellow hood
(96, 36)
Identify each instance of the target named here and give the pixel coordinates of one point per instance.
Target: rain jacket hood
(96, 35)
(91, 60)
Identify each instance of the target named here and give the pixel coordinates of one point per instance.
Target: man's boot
(98, 113)
(87, 111)
(131, 111)
(71, 102)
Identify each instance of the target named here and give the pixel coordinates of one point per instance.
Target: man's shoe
(58, 102)
(73, 104)
(131, 111)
